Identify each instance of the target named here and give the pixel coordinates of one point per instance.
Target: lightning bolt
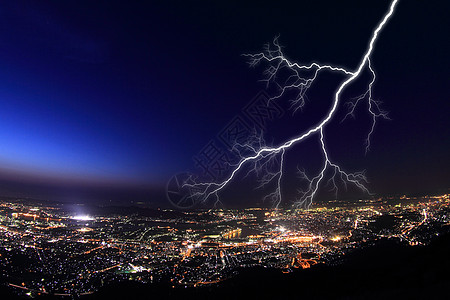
(301, 77)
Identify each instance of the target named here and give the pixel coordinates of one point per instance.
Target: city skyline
(53, 250)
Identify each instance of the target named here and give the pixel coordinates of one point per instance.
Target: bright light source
(85, 229)
(336, 238)
(83, 218)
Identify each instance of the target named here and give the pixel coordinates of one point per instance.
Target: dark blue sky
(105, 91)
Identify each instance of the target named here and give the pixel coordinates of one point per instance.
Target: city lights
(83, 218)
(200, 247)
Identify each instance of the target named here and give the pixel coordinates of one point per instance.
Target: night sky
(118, 97)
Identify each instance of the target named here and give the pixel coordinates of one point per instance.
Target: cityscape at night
(224, 149)
(48, 249)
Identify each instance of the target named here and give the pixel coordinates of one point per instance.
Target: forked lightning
(298, 82)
